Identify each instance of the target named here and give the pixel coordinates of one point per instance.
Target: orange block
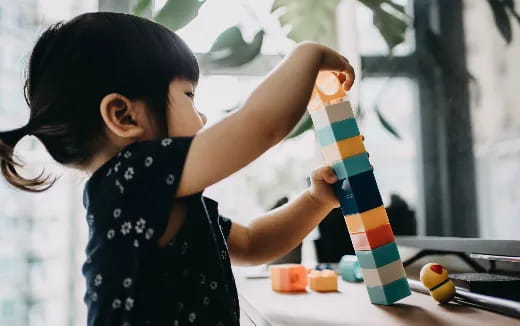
(328, 89)
(367, 220)
(324, 281)
(344, 148)
(288, 277)
(373, 238)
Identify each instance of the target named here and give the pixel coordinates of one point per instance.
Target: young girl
(112, 94)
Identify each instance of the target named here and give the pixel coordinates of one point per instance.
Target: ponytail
(8, 163)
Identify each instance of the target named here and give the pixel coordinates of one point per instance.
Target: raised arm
(268, 115)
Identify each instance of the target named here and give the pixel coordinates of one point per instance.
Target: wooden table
(350, 306)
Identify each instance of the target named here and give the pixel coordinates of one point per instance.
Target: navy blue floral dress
(130, 280)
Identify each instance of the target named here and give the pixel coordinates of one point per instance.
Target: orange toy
(288, 277)
(324, 281)
(329, 88)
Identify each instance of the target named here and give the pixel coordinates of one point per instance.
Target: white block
(384, 274)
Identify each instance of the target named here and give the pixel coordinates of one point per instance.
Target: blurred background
(435, 97)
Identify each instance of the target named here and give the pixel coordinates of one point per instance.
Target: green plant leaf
(176, 14)
(141, 7)
(385, 123)
(302, 126)
(307, 19)
(231, 50)
(510, 4)
(390, 26)
(501, 19)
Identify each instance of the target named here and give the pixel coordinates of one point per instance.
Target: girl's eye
(190, 94)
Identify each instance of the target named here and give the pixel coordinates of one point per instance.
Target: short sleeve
(225, 225)
(140, 186)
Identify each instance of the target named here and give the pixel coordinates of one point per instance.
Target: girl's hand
(321, 190)
(331, 60)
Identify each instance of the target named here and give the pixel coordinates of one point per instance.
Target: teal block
(378, 257)
(337, 131)
(352, 165)
(390, 292)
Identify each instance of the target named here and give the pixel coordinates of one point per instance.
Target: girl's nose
(202, 117)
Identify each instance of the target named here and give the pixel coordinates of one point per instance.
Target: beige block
(331, 113)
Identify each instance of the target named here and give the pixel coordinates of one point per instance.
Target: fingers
(363, 139)
(346, 79)
(325, 173)
(350, 76)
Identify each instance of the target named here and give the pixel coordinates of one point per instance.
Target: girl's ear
(121, 116)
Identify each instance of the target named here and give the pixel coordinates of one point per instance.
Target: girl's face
(182, 117)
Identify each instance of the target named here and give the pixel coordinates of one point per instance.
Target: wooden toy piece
(323, 281)
(337, 131)
(373, 238)
(343, 149)
(384, 275)
(435, 279)
(351, 166)
(323, 266)
(371, 219)
(379, 256)
(328, 88)
(331, 114)
(349, 269)
(288, 277)
(358, 193)
(389, 293)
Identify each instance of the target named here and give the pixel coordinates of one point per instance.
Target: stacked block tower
(357, 191)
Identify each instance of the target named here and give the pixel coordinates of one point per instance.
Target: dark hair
(74, 65)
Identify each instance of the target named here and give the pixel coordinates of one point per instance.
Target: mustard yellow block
(367, 220)
(435, 278)
(288, 277)
(343, 149)
(323, 281)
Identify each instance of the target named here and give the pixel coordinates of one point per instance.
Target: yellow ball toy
(435, 279)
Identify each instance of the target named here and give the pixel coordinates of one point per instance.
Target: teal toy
(349, 269)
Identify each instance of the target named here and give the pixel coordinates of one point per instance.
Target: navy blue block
(358, 193)
(345, 197)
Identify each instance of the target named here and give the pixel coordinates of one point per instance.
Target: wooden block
(342, 149)
(362, 222)
(358, 193)
(373, 238)
(328, 87)
(323, 281)
(384, 275)
(337, 131)
(389, 293)
(346, 197)
(288, 277)
(379, 256)
(351, 166)
(330, 114)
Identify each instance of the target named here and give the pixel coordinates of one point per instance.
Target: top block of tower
(327, 90)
